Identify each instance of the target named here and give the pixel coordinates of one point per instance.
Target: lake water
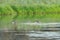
(39, 35)
(30, 35)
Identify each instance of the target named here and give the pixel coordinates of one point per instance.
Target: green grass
(19, 13)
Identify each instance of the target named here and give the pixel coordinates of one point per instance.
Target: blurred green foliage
(43, 10)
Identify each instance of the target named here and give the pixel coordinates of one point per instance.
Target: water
(42, 24)
(39, 35)
(34, 35)
(44, 35)
(31, 35)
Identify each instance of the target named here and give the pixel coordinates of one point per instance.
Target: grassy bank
(29, 11)
(42, 13)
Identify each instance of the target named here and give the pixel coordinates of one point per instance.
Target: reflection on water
(44, 35)
(31, 35)
(38, 35)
